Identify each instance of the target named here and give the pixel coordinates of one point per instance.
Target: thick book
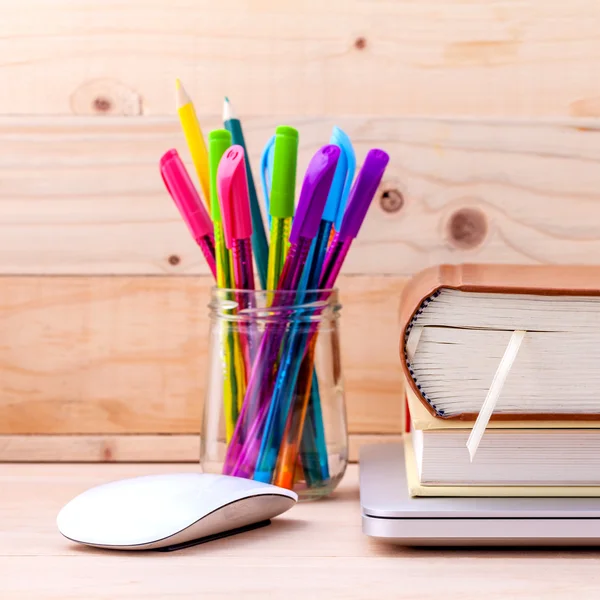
(457, 321)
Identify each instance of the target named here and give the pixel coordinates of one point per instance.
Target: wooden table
(315, 550)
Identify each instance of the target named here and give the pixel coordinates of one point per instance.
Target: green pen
(219, 140)
(281, 208)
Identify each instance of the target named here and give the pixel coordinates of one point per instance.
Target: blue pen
(363, 191)
(313, 197)
(258, 419)
(313, 446)
(291, 360)
(343, 185)
(289, 366)
(266, 171)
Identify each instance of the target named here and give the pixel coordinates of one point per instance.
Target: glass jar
(274, 407)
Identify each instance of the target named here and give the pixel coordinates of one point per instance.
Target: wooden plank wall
(488, 109)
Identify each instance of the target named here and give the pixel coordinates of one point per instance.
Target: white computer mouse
(170, 511)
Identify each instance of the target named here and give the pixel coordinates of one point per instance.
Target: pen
(281, 209)
(189, 203)
(219, 141)
(343, 184)
(360, 198)
(232, 186)
(194, 138)
(313, 446)
(314, 449)
(314, 454)
(260, 245)
(259, 454)
(266, 168)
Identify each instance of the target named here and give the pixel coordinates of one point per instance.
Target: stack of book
(543, 436)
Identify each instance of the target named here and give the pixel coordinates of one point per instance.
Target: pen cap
(181, 188)
(342, 180)
(283, 172)
(232, 184)
(363, 190)
(314, 192)
(219, 140)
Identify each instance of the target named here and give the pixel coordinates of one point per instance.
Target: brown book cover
(543, 280)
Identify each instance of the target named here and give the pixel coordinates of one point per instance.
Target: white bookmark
(494, 392)
(413, 341)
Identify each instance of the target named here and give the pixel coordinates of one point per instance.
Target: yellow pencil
(195, 139)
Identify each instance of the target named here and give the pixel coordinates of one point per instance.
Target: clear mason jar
(274, 407)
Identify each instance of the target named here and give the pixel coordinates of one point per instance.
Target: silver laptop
(389, 513)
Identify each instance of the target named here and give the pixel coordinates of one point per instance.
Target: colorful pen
(281, 209)
(266, 168)
(194, 138)
(313, 446)
(314, 449)
(360, 198)
(342, 183)
(260, 245)
(219, 141)
(232, 185)
(259, 454)
(189, 203)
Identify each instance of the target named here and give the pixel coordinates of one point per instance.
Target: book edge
(500, 278)
(416, 489)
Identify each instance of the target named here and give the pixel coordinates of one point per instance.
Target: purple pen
(245, 443)
(360, 199)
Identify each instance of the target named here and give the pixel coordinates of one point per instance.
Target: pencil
(260, 246)
(195, 139)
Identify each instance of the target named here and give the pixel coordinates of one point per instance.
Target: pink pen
(188, 201)
(232, 184)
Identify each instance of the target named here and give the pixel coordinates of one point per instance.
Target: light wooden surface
(84, 195)
(315, 550)
(94, 355)
(490, 57)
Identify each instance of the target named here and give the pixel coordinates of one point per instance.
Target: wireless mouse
(170, 511)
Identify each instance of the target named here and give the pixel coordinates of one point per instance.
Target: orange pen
(292, 435)
(361, 196)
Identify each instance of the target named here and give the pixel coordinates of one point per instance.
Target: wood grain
(84, 196)
(114, 355)
(130, 448)
(275, 58)
(316, 550)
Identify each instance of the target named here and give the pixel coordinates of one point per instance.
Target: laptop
(389, 513)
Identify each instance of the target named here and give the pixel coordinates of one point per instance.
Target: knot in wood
(360, 43)
(391, 200)
(467, 228)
